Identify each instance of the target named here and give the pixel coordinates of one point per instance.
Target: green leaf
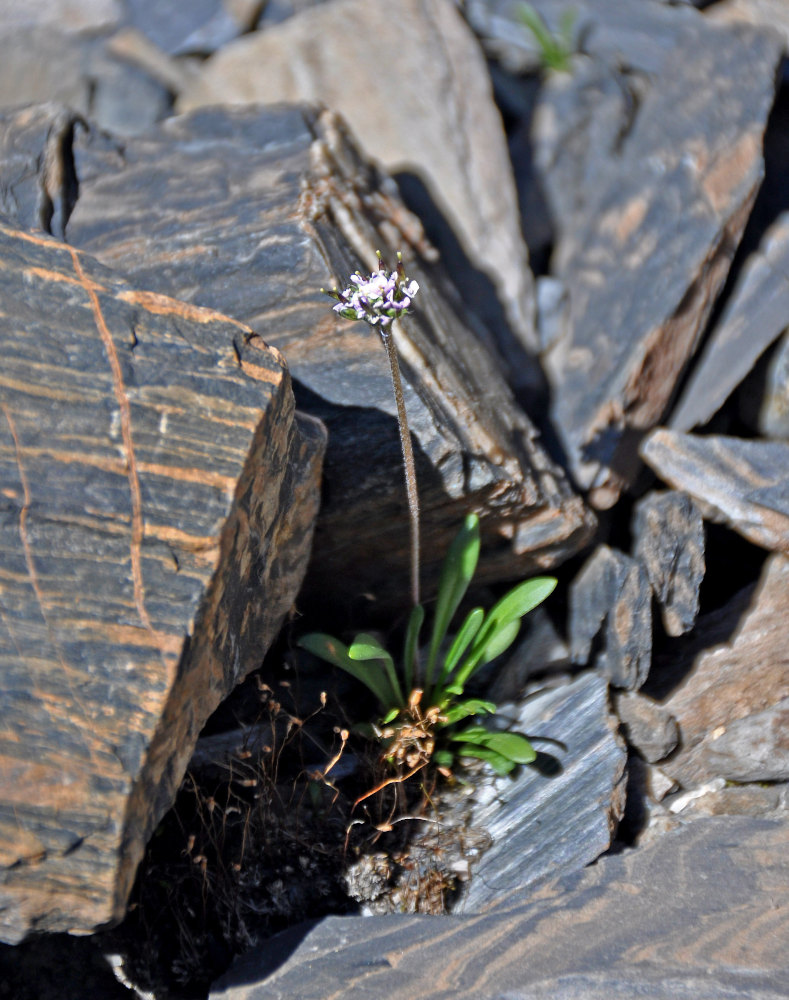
(500, 640)
(335, 652)
(367, 647)
(465, 709)
(495, 635)
(522, 599)
(501, 765)
(390, 716)
(513, 746)
(411, 650)
(444, 758)
(468, 631)
(456, 574)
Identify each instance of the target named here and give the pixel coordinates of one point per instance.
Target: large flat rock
(703, 914)
(158, 500)
(251, 211)
(424, 110)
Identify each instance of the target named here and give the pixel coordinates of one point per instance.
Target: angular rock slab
(744, 484)
(700, 915)
(669, 542)
(544, 824)
(754, 317)
(251, 211)
(611, 599)
(425, 109)
(158, 499)
(734, 681)
(655, 246)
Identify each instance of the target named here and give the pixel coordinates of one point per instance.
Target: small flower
(377, 299)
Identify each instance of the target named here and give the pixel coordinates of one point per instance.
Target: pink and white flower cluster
(377, 299)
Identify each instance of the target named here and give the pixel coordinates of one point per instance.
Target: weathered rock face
(283, 204)
(646, 252)
(423, 109)
(560, 820)
(155, 524)
(692, 916)
(744, 484)
(736, 691)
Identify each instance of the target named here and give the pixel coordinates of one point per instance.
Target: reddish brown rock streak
(155, 520)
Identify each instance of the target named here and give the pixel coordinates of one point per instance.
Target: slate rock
(155, 524)
(646, 263)
(733, 681)
(754, 317)
(558, 817)
(646, 725)
(40, 63)
(669, 541)
(741, 483)
(66, 15)
(635, 37)
(611, 603)
(701, 915)
(424, 110)
(282, 203)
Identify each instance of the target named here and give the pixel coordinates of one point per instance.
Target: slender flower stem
(408, 457)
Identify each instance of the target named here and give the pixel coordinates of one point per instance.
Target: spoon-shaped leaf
(333, 651)
(456, 574)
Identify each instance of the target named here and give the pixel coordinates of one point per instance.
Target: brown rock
(744, 484)
(424, 109)
(155, 523)
(646, 725)
(669, 541)
(735, 680)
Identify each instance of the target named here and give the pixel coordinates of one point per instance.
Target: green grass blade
(335, 652)
(458, 570)
(467, 633)
(366, 647)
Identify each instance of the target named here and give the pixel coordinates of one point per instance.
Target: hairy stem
(408, 459)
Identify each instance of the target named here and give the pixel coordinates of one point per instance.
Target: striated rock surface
(744, 484)
(156, 516)
(282, 203)
(700, 915)
(560, 814)
(423, 109)
(646, 253)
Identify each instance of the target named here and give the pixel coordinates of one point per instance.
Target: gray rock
(700, 915)
(158, 502)
(669, 541)
(755, 748)
(610, 598)
(742, 483)
(735, 679)
(646, 725)
(754, 317)
(424, 110)
(649, 249)
(560, 814)
(282, 204)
